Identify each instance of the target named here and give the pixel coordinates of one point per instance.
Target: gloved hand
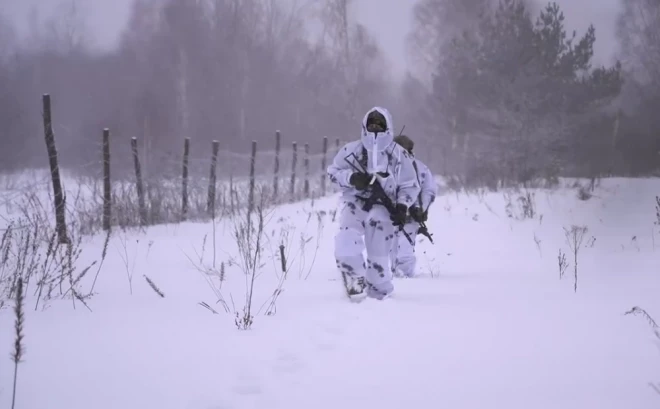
(398, 217)
(360, 180)
(418, 215)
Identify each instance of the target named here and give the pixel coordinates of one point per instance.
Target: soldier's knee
(348, 242)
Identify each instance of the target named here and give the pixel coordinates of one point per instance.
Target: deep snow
(487, 324)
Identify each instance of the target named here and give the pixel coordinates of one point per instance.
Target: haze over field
(389, 20)
(182, 223)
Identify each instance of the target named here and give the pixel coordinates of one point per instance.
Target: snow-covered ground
(487, 324)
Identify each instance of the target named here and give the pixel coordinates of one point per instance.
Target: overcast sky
(388, 20)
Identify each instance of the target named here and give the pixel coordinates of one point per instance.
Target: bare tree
(66, 31)
(638, 29)
(436, 22)
(8, 39)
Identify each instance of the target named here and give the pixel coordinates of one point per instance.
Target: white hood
(374, 143)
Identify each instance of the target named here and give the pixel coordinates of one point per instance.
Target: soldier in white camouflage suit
(403, 259)
(363, 224)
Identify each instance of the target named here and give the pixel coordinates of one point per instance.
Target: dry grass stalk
(19, 348)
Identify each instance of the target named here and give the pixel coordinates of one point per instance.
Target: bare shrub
(656, 331)
(524, 207)
(162, 202)
(104, 253)
(213, 277)
(129, 265)
(296, 240)
(562, 263)
(432, 266)
(30, 249)
(52, 266)
(318, 235)
(284, 258)
(657, 211)
(574, 238)
(272, 301)
(249, 236)
(584, 193)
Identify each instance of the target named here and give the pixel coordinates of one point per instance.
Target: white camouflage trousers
(402, 255)
(360, 230)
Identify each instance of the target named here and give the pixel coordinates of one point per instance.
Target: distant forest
(496, 91)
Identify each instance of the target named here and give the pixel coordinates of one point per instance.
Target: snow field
(487, 324)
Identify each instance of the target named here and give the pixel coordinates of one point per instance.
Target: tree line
(226, 70)
(498, 90)
(520, 97)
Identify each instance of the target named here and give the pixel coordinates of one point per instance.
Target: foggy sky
(388, 20)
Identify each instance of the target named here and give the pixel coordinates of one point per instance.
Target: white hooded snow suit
(371, 229)
(403, 252)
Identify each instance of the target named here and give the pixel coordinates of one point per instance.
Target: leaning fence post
(292, 188)
(139, 182)
(210, 202)
(278, 139)
(306, 165)
(184, 179)
(58, 195)
(107, 189)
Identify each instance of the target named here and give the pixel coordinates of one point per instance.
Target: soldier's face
(375, 127)
(376, 122)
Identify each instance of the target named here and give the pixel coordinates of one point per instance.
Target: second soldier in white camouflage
(403, 258)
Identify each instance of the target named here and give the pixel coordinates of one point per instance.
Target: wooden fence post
(324, 165)
(184, 180)
(278, 139)
(232, 207)
(253, 159)
(139, 182)
(306, 165)
(58, 195)
(107, 187)
(210, 202)
(292, 188)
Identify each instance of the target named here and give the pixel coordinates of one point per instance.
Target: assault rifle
(378, 195)
(424, 231)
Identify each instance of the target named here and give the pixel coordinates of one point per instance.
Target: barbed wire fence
(160, 186)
